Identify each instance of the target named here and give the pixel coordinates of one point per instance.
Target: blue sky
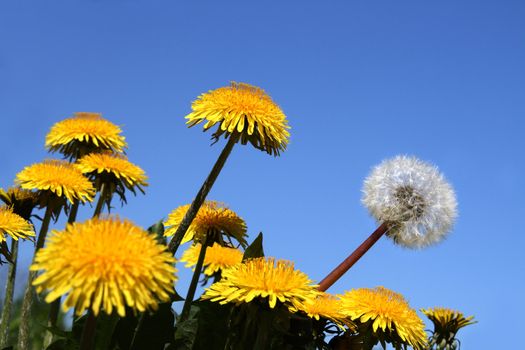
(360, 81)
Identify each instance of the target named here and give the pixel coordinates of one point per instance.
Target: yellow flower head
(109, 167)
(13, 225)
(16, 194)
(243, 111)
(446, 321)
(85, 133)
(213, 218)
(22, 201)
(105, 264)
(389, 313)
(59, 177)
(217, 257)
(324, 306)
(262, 278)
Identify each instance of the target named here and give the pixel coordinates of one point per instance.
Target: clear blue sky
(360, 81)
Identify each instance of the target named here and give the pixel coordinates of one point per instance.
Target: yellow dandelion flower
(85, 133)
(22, 201)
(324, 306)
(245, 111)
(389, 313)
(105, 264)
(14, 225)
(117, 167)
(262, 278)
(447, 323)
(213, 218)
(17, 194)
(59, 177)
(217, 257)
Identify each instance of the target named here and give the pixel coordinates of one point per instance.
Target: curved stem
(101, 198)
(25, 313)
(44, 228)
(136, 331)
(8, 299)
(201, 195)
(340, 270)
(194, 280)
(73, 212)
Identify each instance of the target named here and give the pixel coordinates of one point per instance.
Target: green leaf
(212, 330)
(156, 330)
(63, 344)
(124, 330)
(145, 331)
(59, 332)
(104, 332)
(186, 331)
(254, 250)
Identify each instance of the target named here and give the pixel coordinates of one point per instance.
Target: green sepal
(157, 230)
(254, 250)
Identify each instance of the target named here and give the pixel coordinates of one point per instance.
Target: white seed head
(414, 198)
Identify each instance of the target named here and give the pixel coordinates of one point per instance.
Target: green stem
(88, 332)
(55, 305)
(201, 195)
(136, 331)
(44, 228)
(101, 199)
(8, 299)
(25, 313)
(73, 212)
(51, 322)
(194, 280)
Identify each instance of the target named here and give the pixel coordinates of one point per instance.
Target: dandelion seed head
(414, 198)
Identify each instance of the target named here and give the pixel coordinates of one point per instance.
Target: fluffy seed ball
(414, 198)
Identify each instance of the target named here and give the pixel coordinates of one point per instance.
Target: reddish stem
(340, 270)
